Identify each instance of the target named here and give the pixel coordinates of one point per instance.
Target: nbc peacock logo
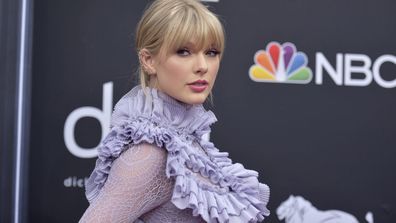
(280, 64)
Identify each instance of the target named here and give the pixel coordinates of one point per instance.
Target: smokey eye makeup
(183, 52)
(212, 52)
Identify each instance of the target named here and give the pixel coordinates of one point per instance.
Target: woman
(155, 166)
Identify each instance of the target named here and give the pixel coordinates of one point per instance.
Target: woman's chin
(195, 99)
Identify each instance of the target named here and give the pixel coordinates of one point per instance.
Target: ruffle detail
(233, 193)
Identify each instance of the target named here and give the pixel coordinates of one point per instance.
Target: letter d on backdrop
(102, 116)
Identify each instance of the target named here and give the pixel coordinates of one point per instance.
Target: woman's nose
(201, 64)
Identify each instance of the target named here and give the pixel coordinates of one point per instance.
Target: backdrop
(305, 95)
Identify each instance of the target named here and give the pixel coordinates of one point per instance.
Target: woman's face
(187, 74)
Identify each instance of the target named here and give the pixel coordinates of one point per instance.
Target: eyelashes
(213, 52)
(186, 52)
(183, 52)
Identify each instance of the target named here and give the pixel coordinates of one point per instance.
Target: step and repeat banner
(306, 95)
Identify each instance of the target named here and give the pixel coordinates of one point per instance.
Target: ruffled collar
(163, 110)
(147, 115)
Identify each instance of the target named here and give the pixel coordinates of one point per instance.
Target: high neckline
(169, 99)
(162, 109)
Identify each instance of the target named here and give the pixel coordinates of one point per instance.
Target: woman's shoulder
(143, 151)
(140, 159)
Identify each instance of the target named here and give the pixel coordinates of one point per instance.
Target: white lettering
(349, 69)
(67, 182)
(80, 183)
(74, 181)
(376, 71)
(102, 116)
(323, 63)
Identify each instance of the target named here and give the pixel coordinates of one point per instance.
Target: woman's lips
(198, 86)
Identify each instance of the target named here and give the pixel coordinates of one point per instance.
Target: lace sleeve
(136, 184)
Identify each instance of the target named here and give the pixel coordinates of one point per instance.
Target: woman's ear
(147, 61)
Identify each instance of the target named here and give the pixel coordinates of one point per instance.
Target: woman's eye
(183, 52)
(213, 52)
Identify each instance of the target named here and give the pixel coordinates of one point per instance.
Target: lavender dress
(155, 166)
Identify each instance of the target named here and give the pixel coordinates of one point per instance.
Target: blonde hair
(167, 25)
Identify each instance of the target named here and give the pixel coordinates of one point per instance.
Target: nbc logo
(280, 63)
(284, 64)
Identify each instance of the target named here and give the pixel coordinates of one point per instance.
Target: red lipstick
(198, 86)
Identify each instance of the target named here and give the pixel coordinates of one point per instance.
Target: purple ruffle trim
(153, 117)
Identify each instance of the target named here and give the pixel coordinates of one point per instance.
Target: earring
(148, 71)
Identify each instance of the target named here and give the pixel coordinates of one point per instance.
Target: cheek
(169, 73)
(177, 70)
(215, 68)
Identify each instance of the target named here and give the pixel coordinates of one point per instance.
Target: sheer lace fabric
(155, 165)
(138, 187)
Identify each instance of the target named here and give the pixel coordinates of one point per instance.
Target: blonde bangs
(201, 27)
